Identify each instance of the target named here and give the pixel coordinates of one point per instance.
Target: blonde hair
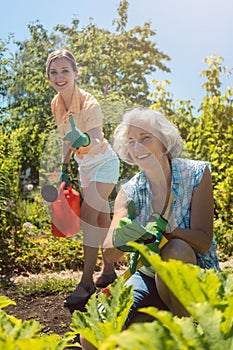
(153, 122)
(58, 54)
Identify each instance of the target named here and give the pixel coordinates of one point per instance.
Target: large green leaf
(4, 302)
(105, 315)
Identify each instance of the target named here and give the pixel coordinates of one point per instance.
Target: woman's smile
(144, 146)
(143, 156)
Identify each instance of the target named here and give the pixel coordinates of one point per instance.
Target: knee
(88, 214)
(85, 344)
(178, 249)
(104, 220)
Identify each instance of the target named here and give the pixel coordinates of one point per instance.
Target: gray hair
(153, 122)
(58, 54)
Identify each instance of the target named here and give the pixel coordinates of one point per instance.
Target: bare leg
(178, 250)
(104, 221)
(93, 207)
(86, 345)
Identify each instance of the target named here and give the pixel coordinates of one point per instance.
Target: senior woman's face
(144, 148)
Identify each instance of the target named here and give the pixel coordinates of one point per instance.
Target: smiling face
(61, 75)
(143, 147)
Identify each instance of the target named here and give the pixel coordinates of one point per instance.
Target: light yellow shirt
(87, 115)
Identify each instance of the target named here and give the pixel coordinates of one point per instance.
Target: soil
(49, 309)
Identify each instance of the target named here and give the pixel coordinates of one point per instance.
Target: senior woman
(178, 189)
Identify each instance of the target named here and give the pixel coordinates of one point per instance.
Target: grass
(48, 283)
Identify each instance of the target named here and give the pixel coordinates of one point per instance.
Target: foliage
(122, 59)
(208, 137)
(45, 284)
(105, 315)
(43, 253)
(207, 295)
(115, 66)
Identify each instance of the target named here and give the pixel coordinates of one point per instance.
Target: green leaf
(187, 282)
(16, 328)
(4, 302)
(105, 315)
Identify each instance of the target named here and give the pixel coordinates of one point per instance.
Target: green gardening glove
(127, 230)
(117, 238)
(76, 137)
(155, 229)
(64, 175)
(154, 233)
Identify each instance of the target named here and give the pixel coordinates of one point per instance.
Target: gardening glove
(154, 238)
(128, 229)
(64, 175)
(134, 256)
(75, 136)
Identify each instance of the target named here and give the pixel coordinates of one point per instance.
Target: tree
(113, 66)
(122, 60)
(208, 137)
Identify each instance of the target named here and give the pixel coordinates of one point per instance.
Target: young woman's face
(61, 74)
(144, 148)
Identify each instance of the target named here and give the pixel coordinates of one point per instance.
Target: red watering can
(65, 212)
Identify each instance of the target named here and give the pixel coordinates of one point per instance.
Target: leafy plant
(206, 294)
(45, 284)
(105, 315)
(16, 334)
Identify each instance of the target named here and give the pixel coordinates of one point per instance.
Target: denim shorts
(145, 294)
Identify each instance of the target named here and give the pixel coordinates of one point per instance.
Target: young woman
(79, 119)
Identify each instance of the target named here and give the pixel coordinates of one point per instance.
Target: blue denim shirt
(186, 176)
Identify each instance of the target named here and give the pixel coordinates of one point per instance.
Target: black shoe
(75, 302)
(104, 280)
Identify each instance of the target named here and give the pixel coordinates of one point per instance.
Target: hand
(64, 175)
(154, 234)
(156, 229)
(128, 229)
(76, 137)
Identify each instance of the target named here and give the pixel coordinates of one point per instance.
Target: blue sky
(187, 30)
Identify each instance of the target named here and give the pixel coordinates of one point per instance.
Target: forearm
(66, 153)
(113, 255)
(199, 240)
(96, 138)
